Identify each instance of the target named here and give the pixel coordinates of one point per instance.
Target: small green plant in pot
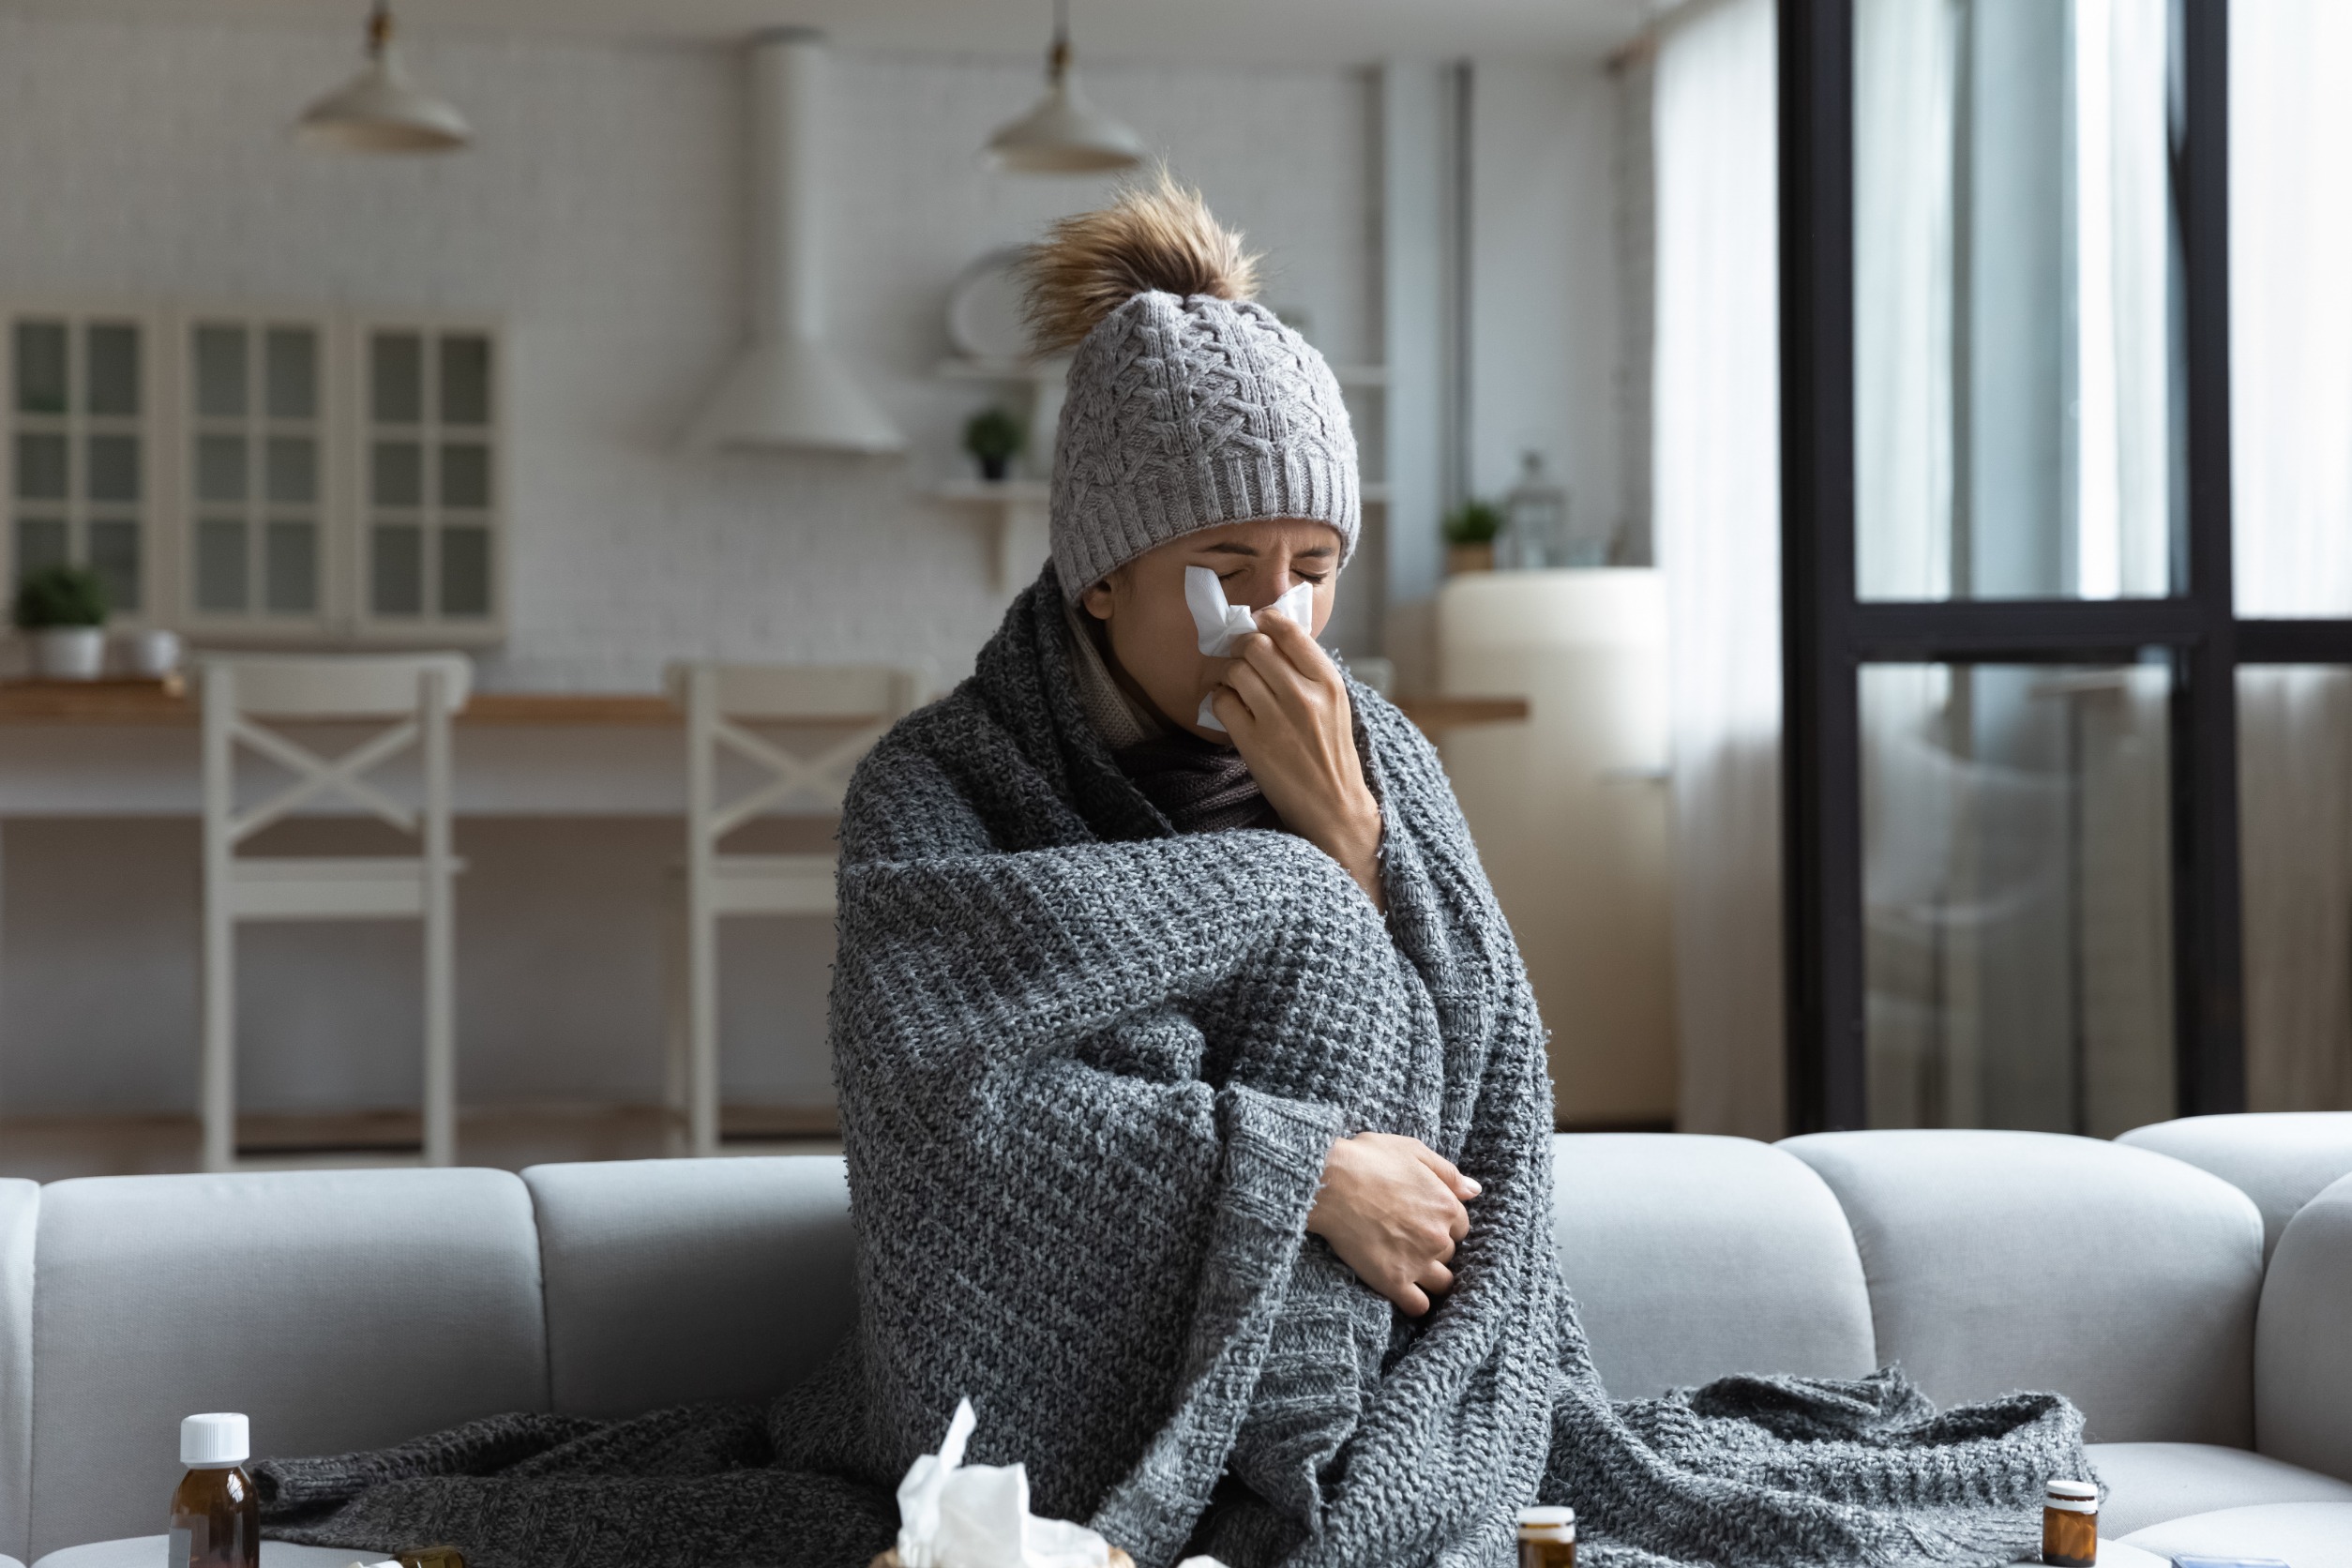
(995, 437)
(62, 611)
(1469, 536)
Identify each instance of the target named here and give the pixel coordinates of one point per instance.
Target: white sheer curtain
(2291, 418)
(1715, 461)
(1904, 58)
(2122, 192)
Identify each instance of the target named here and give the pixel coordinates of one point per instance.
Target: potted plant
(1470, 536)
(994, 436)
(62, 611)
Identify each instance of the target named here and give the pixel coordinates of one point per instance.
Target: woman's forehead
(1262, 536)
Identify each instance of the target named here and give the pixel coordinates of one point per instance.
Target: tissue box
(1118, 1559)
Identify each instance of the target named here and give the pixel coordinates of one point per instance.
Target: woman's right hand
(1392, 1208)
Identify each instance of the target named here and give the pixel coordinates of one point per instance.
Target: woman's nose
(1262, 585)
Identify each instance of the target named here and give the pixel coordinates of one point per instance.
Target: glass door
(2009, 651)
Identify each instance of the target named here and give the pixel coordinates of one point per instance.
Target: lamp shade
(380, 110)
(1063, 134)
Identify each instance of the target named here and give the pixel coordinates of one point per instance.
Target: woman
(1194, 1095)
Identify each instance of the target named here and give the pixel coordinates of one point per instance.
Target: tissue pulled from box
(952, 1514)
(1222, 625)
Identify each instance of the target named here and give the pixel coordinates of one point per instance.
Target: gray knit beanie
(1190, 405)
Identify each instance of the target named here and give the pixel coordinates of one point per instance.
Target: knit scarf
(1199, 785)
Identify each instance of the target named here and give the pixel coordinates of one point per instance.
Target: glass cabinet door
(257, 470)
(432, 466)
(77, 451)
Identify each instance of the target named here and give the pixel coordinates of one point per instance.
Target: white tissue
(952, 1514)
(1221, 625)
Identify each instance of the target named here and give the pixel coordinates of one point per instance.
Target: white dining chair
(247, 702)
(722, 703)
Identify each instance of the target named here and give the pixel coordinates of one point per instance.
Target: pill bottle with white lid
(1548, 1538)
(2070, 1524)
(214, 1523)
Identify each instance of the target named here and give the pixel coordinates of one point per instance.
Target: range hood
(788, 389)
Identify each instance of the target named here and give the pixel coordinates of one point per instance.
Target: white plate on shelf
(984, 309)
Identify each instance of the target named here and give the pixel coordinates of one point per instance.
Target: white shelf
(1031, 370)
(1039, 372)
(1016, 516)
(993, 493)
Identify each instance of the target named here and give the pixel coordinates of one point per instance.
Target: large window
(265, 475)
(2067, 378)
(2013, 650)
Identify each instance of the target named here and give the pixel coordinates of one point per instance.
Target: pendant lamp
(380, 110)
(1063, 134)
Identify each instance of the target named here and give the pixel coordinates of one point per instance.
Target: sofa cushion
(2280, 1159)
(762, 1246)
(2303, 1344)
(146, 1551)
(1691, 1258)
(347, 1309)
(2306, 1534)
(2149, 1483)
(20, 1220)
(2007, 1260)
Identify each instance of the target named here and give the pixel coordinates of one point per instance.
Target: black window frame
(1827, 634)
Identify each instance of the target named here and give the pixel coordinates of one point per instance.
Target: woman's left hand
(1287, 709)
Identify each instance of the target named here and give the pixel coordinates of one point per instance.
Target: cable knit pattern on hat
(1187, 413)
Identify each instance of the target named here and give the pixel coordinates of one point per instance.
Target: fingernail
(1471, 1182)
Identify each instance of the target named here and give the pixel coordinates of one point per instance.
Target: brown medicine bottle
(2070, 1524)
(214, 1522)
(1548, 1538)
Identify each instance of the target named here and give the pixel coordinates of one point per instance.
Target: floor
(49, 1149)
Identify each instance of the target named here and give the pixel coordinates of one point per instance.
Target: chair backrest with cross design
(247, 702)
(853, 705)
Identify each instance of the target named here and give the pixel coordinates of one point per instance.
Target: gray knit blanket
(1089, 1069)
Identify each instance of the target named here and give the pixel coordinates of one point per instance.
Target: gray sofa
(2204, 1324)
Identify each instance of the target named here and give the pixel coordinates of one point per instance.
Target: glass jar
(1548, 1538)
(1536, 522)
(214, 1523)
(2070, 1524)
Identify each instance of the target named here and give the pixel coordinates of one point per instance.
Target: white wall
(601, 213)
(1545, 343)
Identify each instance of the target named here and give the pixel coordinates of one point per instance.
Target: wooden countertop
(109, 702)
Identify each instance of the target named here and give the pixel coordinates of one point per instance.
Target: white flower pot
(70, 652)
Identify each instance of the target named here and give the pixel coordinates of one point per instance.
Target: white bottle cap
(1547, 1524)
(209, 1441)
(2072, 1497)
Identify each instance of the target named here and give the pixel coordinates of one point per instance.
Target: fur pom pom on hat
(1189, 404)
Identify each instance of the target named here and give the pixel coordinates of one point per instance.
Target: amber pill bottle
(214, 1523)
(2070, 1524)
(1548, 1538)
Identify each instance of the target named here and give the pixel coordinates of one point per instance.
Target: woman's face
(1142, 603)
